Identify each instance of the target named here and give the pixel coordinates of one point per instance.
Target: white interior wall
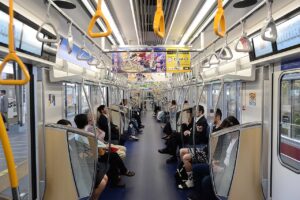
(252, 113)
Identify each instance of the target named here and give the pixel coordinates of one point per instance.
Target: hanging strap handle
(269, 31)
(99, 15)
(70, 38)
(12, 56)
(81, 55)
(159, 20)
(244, 42)
(226, 53)
(48, 23)
(219, 21)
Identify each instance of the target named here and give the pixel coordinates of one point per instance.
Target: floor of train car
(154, 178)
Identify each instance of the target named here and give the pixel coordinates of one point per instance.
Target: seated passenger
(116, 167)
(121, 150)
(102, 123)
(217, 120)
(99, 187)
(202, 180)
(64, 122)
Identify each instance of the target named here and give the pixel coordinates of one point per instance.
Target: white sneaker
(188, 184)
(134, 137)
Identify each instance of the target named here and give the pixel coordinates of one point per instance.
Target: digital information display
(4, 21)
(29, 43)
(261, 47)
(288, 33)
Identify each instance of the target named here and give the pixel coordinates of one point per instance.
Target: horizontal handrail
(71, 129)
(235, 128)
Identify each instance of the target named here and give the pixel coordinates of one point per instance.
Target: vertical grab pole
(95, 132)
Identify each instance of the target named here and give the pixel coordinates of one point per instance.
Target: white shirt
(229, 150)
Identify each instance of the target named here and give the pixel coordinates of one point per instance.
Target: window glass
(290, 120)
(84, 103)
(71, 100)
(224, 151)
(231, 100)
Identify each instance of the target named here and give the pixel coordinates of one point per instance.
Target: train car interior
(149, 99)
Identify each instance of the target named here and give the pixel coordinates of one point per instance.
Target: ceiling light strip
(205, 24)
(207, 7)
(134, 21)
(112, 23)
(173, 20)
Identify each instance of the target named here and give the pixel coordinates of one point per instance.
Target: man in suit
(188, 155)
(4, 107)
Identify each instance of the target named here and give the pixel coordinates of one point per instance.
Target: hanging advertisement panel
(148, 77)
(178, 62)
(139, 62)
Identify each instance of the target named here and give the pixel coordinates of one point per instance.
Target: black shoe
(141, 126)
(172, 159)
(163, 151)
(120, 184)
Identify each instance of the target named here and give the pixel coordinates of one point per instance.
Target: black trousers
(116, 166)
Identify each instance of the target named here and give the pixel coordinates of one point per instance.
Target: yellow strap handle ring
(159, 20)
(12, 56)
(9, 155)
(99, 15)
(219, 21)
(159, 24)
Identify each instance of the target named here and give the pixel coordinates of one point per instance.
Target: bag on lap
(180, 175)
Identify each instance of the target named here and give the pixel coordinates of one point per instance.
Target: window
(84, 101)
(289, 146)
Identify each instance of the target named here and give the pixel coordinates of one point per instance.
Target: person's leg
(99, 189)
(199, 172)
(187, 159)
(207, 192)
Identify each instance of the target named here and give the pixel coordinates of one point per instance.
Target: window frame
(282, 162)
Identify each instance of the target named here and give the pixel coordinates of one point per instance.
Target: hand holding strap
(99, 15)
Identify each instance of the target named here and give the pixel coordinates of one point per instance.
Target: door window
(289, 146)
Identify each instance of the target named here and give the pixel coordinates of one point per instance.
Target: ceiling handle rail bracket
(159, 20)
(99, 15)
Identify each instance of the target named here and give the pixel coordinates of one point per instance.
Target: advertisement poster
(252, 99)
(51, 100)
(139, 62)
(178, 62)
(148, 77)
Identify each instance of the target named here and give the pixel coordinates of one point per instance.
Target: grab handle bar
(159, 20)
(219, 21)
(98, 15)
(269, 31)
(48, 22)
(12, 56)
(244, 41)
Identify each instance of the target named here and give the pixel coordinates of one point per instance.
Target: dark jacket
(102, 123)
(200, 137)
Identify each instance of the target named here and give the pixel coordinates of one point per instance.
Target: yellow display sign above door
(178, 62)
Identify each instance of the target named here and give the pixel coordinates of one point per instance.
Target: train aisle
(154, 178)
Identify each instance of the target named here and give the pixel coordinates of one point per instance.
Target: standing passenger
(4, 107)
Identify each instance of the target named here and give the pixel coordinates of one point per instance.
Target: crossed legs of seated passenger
(116, 168)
